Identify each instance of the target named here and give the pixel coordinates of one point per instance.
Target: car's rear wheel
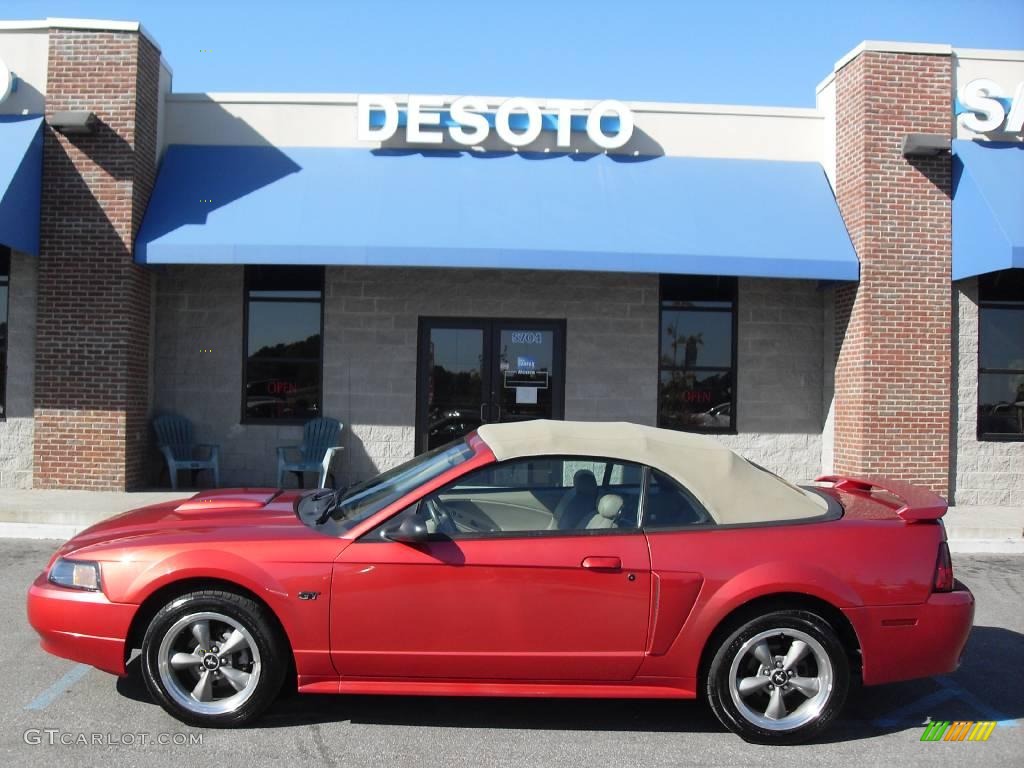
(213, 658)
(780, 678)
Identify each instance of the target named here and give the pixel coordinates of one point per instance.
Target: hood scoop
(240, 499)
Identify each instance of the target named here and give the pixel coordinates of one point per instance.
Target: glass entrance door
(475, 371)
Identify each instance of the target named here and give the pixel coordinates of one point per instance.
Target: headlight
(77, 574)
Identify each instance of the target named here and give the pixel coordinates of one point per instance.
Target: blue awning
(21, 178)
(267, 205)
(988, 207)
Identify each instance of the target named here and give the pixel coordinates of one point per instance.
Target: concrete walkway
(62, 514)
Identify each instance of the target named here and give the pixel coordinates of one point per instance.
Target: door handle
(602, 563)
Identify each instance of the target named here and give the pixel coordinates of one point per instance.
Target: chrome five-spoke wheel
(778, 678)
(214, 658)
(209, 663)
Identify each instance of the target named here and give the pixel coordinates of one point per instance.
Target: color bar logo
(958, 730)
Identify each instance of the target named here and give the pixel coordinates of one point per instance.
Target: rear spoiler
(915, 503)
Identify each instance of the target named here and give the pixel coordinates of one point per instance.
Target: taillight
(943, 570)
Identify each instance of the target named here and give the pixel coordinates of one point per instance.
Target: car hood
(222, 512)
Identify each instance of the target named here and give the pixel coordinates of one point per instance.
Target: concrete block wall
(780, 376)
(199, 308)
(989, 472)
(18, 427)
(371, 322)
(371, 330)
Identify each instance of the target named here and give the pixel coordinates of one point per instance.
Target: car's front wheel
(213, 658)
(779, 678)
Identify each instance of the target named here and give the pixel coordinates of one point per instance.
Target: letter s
(472, 126)
(985, 112)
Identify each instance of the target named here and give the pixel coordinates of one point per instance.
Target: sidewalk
(61, 514)
(983, 530)
(39, 514)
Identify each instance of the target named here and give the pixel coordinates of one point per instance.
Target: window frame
(711, 522)
(322, 301)
(983, 304)
(5, 282)
(375, 534)
(734, 300)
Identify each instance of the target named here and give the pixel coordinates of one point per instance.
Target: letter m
(982, 730)
(935, 730)
(959, 730)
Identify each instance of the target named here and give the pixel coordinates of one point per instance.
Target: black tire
(832, 679)
(264, 655)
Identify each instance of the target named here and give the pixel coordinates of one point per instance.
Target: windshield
(347, 507)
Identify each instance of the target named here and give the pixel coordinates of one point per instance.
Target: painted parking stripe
(905, 714)
(948, 691)
(46, 698)
(991, 714)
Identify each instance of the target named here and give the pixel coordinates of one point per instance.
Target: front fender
(305, 622)
(209, 564)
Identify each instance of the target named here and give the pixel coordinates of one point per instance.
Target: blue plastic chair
(319, 445)
(174, 438)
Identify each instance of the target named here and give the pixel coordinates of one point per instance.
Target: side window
(536, 495)
(669, 505)
(1001, 355)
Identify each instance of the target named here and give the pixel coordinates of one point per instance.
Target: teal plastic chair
(320, 438)
(174, 438)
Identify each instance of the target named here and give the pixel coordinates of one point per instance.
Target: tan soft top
(732, 489)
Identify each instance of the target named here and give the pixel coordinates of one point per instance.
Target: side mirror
(410, 531)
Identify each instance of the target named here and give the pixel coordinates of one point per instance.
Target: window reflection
(283, 368)
(454, 384)
(696, 353)
(1001, 355)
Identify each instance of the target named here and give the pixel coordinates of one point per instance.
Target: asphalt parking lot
(51, 700)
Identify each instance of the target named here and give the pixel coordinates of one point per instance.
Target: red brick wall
(92, 344)
(893, 397)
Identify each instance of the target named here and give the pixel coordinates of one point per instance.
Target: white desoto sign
(986, 108)
(6, 82)
(468, 120)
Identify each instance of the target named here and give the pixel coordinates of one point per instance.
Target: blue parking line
(901, 715)
(992, 714)
(46, 698)
(948, 690)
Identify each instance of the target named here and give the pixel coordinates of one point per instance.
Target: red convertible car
(529, 559)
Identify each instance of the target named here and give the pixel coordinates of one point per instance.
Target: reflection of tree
(455, 388)
(309, 348)
(689, 344)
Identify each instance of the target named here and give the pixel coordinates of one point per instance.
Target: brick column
(893, 399)
(92, 353)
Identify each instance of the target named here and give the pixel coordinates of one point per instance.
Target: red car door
(537, 607)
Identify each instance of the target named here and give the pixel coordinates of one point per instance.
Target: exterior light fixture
(924, 144)
(74, 122)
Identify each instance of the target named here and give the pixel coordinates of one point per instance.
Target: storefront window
(1001, 355)
(5, 287)
(283, 378)
(697, 354)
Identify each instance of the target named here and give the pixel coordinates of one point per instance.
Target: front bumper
(80, 625)
(904, 642)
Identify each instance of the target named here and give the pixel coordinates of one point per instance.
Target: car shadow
(993, 653)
